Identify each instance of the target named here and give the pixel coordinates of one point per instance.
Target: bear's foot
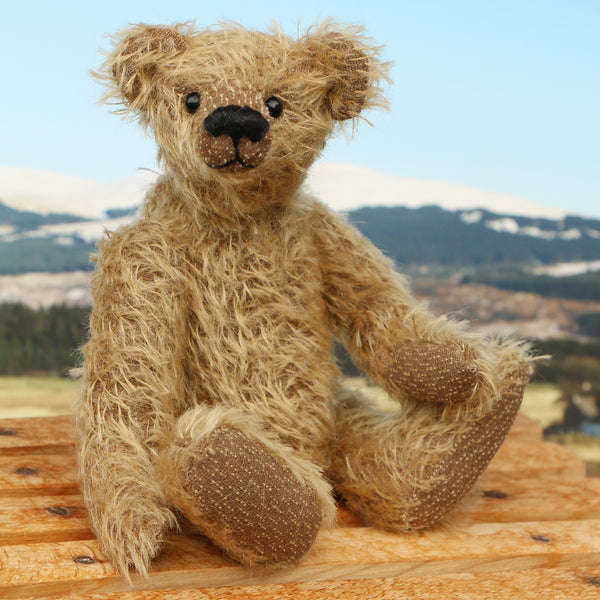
(243, 498)
(406, 470)
(472, 451)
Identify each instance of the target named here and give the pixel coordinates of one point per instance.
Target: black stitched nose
(236, 122)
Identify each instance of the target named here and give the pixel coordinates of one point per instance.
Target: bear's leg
(243, 488)
(407, 469)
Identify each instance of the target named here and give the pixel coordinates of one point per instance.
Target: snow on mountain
(45, 192)
(347, 187)
(46, 242)
(63, 233)
(42, 290)
(341, 186)
(508, 225)
(568, 269)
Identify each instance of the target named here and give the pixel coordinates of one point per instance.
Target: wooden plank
(43, 544)
(537, 584)
(56, 435)
(38, 474)
(62, 518)
(504, 499)
(525, 429)
(37, 435)
(48, 474)
(532, 461)
(501, 499)
(342, 554)
(43, 519)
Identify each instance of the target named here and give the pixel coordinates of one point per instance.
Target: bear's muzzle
(235, 137)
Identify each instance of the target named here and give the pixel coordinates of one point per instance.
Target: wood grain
(37, 435)
(38, 474)
(526, 430)
(526, 460)
(536, 584)
(60, 518)
(43, 519)
(342, 554)
(500, 499)
(529, 529)
(56, 434)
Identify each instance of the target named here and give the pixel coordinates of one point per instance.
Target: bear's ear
(347, 69)
(140, 55)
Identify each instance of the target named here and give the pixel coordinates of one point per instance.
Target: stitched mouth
(237, 159)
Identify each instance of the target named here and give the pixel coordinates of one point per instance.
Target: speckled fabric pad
(249, 494)
(433, 372)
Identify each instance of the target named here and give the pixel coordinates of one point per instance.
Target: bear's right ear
(140, 55)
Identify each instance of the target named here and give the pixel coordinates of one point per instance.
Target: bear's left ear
(346, 69)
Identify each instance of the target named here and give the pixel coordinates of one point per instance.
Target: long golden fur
(216, 311)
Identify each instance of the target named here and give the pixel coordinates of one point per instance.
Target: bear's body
(210, 389)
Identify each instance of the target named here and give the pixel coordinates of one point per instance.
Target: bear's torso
(257, 333)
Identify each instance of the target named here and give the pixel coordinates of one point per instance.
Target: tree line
(40, 341)
(47, 341)
(575, 287)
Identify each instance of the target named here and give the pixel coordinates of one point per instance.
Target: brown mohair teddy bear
(210, 391)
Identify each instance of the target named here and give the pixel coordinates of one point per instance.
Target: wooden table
(530, 529)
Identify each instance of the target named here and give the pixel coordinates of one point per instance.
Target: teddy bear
(211, 397)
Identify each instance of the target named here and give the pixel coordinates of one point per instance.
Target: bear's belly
(259, 340)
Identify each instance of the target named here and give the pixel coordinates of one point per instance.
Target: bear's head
(244, 109)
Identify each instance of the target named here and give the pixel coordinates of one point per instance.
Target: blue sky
(504, 96)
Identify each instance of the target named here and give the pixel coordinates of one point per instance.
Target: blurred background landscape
(480, 182)
(507, 265)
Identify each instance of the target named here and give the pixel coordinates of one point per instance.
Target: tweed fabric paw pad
(430, 372)
(472, 452)
(251, 504)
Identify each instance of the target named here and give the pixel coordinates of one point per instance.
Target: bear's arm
(389, 334)
(133, 383)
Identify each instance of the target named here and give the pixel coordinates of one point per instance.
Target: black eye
(192, 102)
(274, 105)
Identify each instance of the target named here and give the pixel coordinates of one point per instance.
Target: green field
(41, 396)
(36, 396)
(49, 396)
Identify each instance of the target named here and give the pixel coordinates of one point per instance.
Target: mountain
(347, 187)
(342, 186)
(433, 235)
(50, 222)
(46, 193)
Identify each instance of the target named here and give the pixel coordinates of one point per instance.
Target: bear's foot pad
(251, 504)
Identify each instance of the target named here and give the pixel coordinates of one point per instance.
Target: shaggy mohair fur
(210, 391)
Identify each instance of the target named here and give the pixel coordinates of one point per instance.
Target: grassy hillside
(36, 396)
